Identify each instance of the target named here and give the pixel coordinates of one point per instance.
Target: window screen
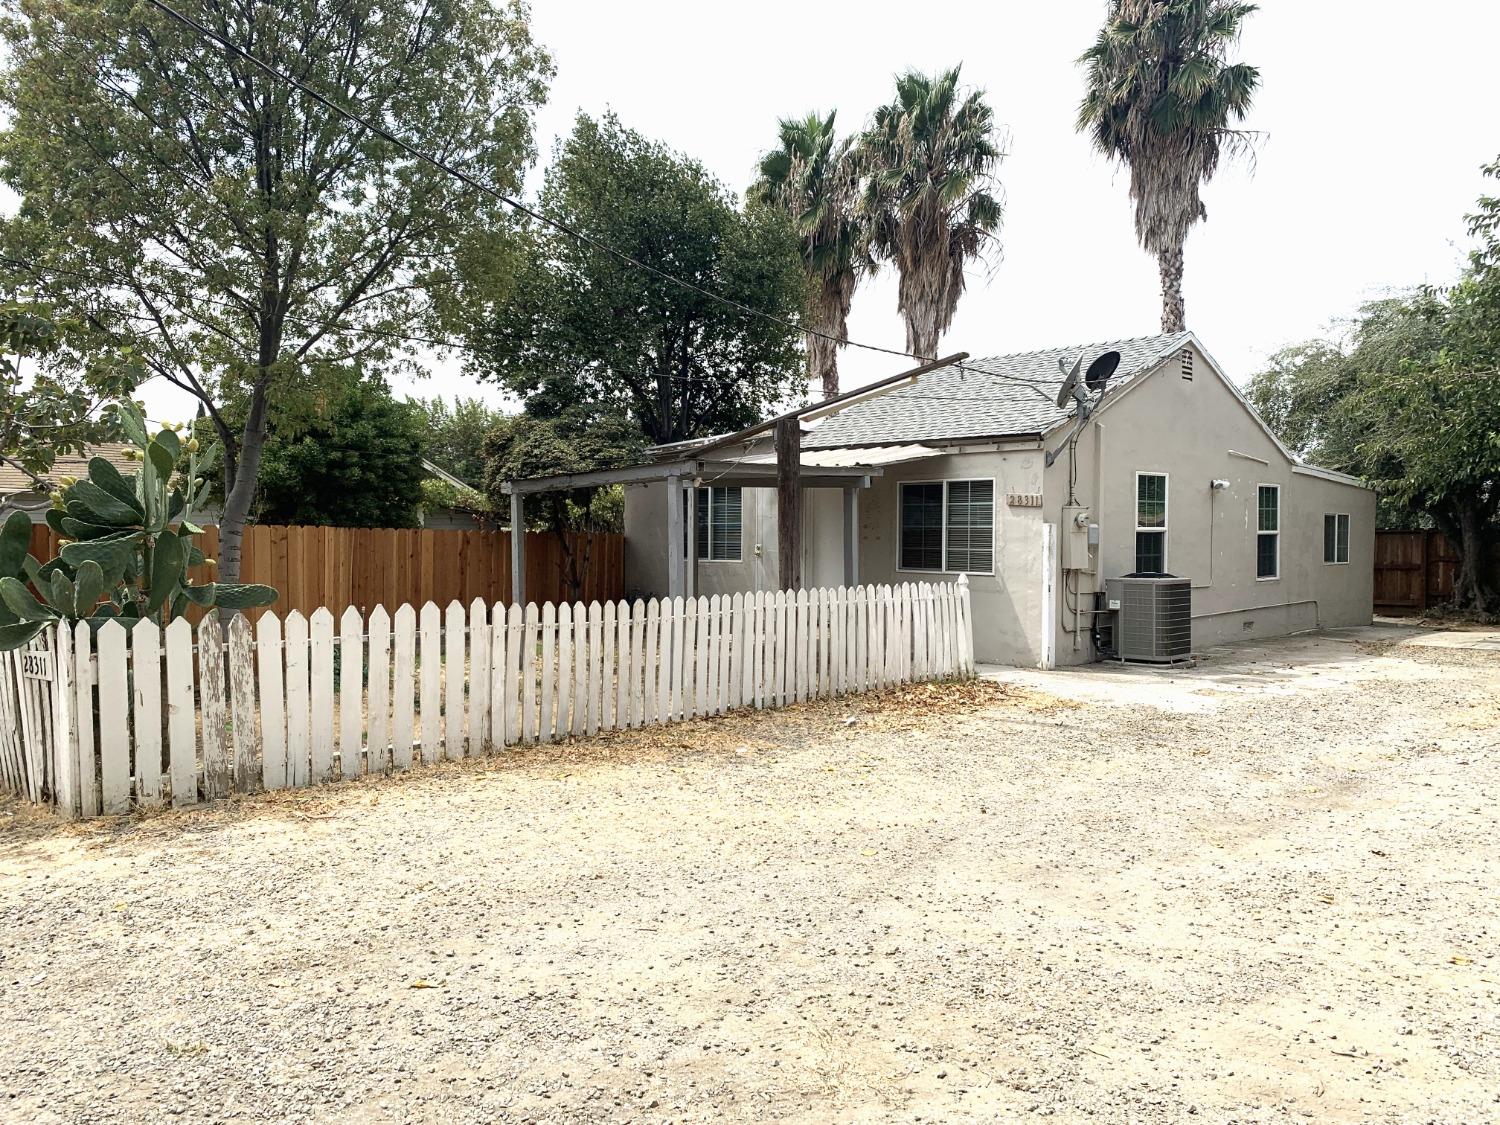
(719, 516)
(1150, 523)
(971, 525)
(922, 526)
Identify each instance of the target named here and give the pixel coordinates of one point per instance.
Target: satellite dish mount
(1078, 390)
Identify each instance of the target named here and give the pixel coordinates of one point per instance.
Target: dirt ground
(1260, 890)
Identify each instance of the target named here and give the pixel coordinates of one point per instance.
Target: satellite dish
(1100, 370)
(1070, 380)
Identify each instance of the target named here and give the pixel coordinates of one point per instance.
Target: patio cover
(848, 469)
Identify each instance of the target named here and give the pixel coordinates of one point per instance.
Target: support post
(676, 587)
(851, 536)
(690, 560)
(517, 549)
(789, 502)
(1048, 654)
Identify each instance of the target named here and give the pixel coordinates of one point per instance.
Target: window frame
(1166, 509)
(706, 543)
(945, 482)
(1336, 517)
(1276, 534)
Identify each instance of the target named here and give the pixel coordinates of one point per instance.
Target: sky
(1374, 118)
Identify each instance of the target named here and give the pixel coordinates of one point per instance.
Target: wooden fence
(337, 568)
(106, 721)
(1417, 569)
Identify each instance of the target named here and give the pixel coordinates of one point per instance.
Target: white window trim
(945, 482)
(1349, 524)
(708, 489)
(1258, 532)
(1166, 515)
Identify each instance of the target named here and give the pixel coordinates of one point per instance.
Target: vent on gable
(1186, 358)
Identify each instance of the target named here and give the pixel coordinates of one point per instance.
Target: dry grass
(910, 707)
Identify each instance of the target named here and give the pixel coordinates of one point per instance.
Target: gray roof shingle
(985, 399)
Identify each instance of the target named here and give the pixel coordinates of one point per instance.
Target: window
(948, 525)
(1335, 538)
(1268, 531)
(718, 530)
(921, 527)
(1150, 523)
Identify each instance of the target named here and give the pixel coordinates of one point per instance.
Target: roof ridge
(1070, 347)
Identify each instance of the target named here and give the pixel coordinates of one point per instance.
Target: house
(19, 492)
(973, 468)
(451, 505)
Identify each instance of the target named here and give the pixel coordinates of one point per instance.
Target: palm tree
(930, 195)
(1163, 99)
(813, 176)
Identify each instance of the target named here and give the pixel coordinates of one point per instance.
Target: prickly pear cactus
(126, 546)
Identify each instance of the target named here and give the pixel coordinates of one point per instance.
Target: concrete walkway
(1276, 666)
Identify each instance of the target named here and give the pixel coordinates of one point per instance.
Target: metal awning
(868, 459)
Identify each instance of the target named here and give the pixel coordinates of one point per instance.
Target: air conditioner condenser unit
(1150, 619)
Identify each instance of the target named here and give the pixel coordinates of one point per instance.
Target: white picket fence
(160, 719)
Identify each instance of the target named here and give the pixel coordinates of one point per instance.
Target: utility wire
(517, 205)
(537, 216)
(565, 228)
(102, 274)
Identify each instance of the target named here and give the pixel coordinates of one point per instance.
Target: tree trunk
(1173, 308)
(239, 494)
(823, 364)
(921, 334)
(1470, 590)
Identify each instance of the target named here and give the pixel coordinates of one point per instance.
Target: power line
(565, 228)
(104, 274)
(537, 216)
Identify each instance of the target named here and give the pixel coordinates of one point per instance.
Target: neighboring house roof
(1002, 396)
(13, 480)
(438, 473)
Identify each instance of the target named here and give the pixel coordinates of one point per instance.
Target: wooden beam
(789, 501)
(630, 474)
(830, 405)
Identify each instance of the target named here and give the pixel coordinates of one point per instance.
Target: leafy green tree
(578, 325)
(1162, 98)
(243, 240)
(358, 465)
(1409, 404)
(930, 197)
(575, 440)
(455, 433)
(814, 176)
(50, 392)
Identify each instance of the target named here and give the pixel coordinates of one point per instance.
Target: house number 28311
(36, 665)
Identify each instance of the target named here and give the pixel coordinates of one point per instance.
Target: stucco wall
(1197, 431)
(646, 545)
(1007, 604)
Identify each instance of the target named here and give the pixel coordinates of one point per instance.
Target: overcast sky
(1375, 115)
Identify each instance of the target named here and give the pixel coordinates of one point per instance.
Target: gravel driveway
(1260, 890)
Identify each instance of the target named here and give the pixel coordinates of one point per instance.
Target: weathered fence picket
(123, 718)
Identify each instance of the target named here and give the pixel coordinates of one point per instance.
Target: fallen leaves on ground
(741, 737)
